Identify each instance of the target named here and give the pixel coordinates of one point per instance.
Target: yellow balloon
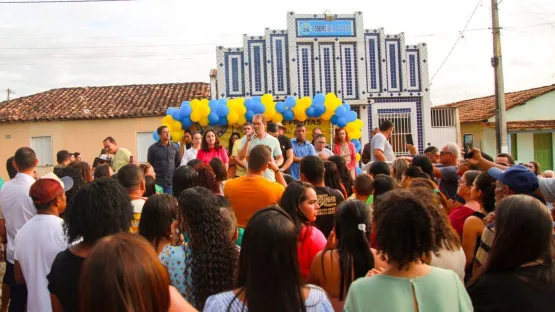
(176, 125)
(195, 104)
(204, 121)
(278, 117)
(350, 127)
(301, 116)
(169, 125)
(232, 118)
(240, 101)
(242, 120)
(267, 99)
(177, 135)
(358, 157)
(195, 116)
(330, 97)
(358, 124)
(167, 119)
(204, 102)
(337, 102)
(204, 110)
(355, 135)
(232, 103)
(270, 113)
(326, 116)
(241, 110)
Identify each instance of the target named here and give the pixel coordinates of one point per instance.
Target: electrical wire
(456, 42)
(58, 1)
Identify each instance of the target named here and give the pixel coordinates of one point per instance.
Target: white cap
(65, 182)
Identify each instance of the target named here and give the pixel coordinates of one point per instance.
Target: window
(412, 67)
(43, 148)
(327, 70)
(514, 145)
(373, 67)
(235, 74)
(393, 65)
(306, 73)
(403, 127)
(348, 71)
(144, 141)
(279, 58)
(257, 70)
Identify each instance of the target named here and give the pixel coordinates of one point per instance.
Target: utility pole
(497, 63)
(8, 93)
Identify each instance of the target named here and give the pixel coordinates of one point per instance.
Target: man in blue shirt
(301, 148)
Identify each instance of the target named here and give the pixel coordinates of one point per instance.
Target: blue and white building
(379, 74)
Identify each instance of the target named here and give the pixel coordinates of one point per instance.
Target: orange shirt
(248, 194)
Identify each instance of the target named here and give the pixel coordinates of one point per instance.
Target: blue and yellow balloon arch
(237, 111)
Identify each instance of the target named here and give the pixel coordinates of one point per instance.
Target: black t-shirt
(285, 145)
(511, 292)
(63, 279)
(328, 199)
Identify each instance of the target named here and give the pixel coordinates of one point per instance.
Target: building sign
(323, 28)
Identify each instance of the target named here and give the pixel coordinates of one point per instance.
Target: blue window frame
(412, 69)
(306, 73)
(373, 69)
(348, 71)
(257, 70)
(393, 65)
(327, 70)
(235, 74)
(279, 64)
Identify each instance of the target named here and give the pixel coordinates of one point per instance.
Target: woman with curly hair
(448, 252)
(205, 266)
(349, 257)
(332, 179)
(207, 178)
(405, 235)
(158, 221)
(232, 168)
(344, 174)
(482, 191)
(132, 279)
(99, 209)
(519, 274)
(344, 148)
(301, 203)
(211, 148)
(269, 279)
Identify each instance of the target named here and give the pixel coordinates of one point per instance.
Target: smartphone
(408, 139)
(467, 153)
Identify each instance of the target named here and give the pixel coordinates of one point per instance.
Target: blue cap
(518, 178)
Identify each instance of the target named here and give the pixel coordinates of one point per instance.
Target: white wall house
(379, 74)
(530, 123)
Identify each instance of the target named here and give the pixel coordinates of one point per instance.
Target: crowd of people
(269, 223)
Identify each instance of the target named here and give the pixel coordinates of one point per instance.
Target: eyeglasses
(445, 153)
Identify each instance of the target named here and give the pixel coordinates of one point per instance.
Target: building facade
(379, 74)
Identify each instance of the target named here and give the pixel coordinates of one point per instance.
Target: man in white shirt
(17, 208)
(39, 241)
(320, 147)
(132, 178)
(260, 136)
(381, 148)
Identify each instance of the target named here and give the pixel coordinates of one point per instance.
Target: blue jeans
(168, 189)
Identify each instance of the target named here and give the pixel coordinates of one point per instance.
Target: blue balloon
(170, 110)
(340, 111)
(222, 101)
(257, 100)
(334, 119)
(185, 110)
(259, 108)
(347, 107)
(249, 115)
(174, 112)
(310, 112)
(351, 116)
(186, 122)
(213, 104)
(185, 103)
(155, 136)
(213, 118)
(357, 144)
(319, 99)
(222, 122)
(223, 110)
(288, 115)
(320, 109)
(358, 171)
(290, 102)
(341, 122)
(248, 104)
(280, 107)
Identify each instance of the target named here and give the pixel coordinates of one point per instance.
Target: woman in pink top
(301, 203)
(345, 148)
(211, 148)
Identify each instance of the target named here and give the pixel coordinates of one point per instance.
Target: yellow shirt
(249, 194)
(121, 159)
(240, 171)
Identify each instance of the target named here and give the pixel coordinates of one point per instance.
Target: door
(543, 150)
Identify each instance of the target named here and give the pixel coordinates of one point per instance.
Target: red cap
(45, 190)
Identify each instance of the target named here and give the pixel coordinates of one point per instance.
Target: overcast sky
(46, 46)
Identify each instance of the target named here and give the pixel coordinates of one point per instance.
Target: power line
(456, 42)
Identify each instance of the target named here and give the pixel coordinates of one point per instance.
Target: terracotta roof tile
(526, 125)
(128, 101)
(481, 109)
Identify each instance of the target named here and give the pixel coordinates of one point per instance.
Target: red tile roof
(130, 101)
(525, 125)
(481, 109)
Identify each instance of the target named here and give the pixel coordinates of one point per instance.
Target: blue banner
(323, 28)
